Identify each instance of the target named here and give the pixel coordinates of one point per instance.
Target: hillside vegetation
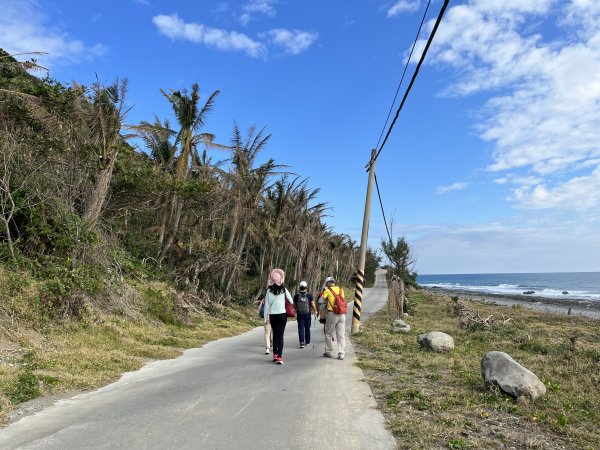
(123, 242)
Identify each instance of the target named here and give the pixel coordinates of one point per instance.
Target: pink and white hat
(277, 277)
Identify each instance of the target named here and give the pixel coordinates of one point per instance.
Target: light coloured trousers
(335, 323)
(267, 334)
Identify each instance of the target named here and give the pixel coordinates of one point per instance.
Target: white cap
(328, 279)
(303, 284)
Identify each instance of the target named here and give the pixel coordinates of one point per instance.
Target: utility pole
(360, 271)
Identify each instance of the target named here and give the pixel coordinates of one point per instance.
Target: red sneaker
(275, 357)
(279, 360)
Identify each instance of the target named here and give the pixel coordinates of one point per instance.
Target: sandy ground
(585, 308)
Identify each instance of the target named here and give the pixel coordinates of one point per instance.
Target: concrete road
(225, 395)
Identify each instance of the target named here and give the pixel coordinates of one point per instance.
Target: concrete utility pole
(360, 271)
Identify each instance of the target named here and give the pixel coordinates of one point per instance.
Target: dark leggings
(304, 321)
(278, 322)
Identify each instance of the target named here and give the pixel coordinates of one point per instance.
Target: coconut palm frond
(8, 61)
(207, 108)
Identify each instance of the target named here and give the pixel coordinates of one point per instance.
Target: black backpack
(303, 304)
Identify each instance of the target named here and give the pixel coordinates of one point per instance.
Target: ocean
(565, 285)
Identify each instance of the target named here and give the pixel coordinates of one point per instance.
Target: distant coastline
(587, 308)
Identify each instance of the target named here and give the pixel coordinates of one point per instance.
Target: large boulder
(400, 326)
(436, 341)
(499, 369)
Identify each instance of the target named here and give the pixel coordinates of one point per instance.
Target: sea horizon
(563, 285)
(508, 273)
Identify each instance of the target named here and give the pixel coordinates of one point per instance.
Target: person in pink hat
(275, 299)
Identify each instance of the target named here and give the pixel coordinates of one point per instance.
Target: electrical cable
(383, 211)
(403, 73)
(416, 72)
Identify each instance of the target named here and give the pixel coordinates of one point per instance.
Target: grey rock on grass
(499, 369)
(400, 326)
(436, 341)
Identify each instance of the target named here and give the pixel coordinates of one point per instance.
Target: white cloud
(452, 187)
(585, 16)
(589, 163)
(256, 7)
(497, 248)
(175, 28)
(24, 28)
(293, 41)
(518, 179)
(543, 112)
(403, 6)
(142, 2)
(581, 194)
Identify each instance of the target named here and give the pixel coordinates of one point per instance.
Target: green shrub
(161, 306)
(25, 387)
(456, 443)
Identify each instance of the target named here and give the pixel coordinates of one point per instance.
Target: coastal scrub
(438, 400)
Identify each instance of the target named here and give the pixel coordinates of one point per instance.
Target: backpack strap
(335, 296)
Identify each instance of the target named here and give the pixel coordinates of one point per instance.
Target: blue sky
(493, 165)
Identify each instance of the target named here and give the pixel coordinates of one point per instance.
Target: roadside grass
(40, 358)
(437, 400)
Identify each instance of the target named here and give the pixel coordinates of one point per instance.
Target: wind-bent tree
(191, 119)
(218, 224)
(85, 120)
(158, 137)
(104, 121)
(247, 184)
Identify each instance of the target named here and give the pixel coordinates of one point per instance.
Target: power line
(383, 211)
(403, 73)
(425, 50)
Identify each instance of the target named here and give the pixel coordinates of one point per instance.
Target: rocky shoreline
(573, 307)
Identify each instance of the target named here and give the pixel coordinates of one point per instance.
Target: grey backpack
(303, 304)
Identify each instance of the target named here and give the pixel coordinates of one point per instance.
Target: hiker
(336, 318)
(304, 304)
(321, 304)
(268, 331)
(321, 308)
(275, 311)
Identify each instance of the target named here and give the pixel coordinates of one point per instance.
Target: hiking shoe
(275, 357)
(340, 356)
(327, 355)
(266, 351)
(279, 360)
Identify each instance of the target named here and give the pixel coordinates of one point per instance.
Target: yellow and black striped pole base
(358, 293)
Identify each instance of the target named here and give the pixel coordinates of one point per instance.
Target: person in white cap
(336, 322)
(304, 305)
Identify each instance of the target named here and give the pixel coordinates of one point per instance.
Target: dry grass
(72, 356)
(433, 400)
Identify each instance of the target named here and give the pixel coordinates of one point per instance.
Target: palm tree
(104, 120)
(158, 139)
(88, 119)
(247, 184)
(191, 119)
